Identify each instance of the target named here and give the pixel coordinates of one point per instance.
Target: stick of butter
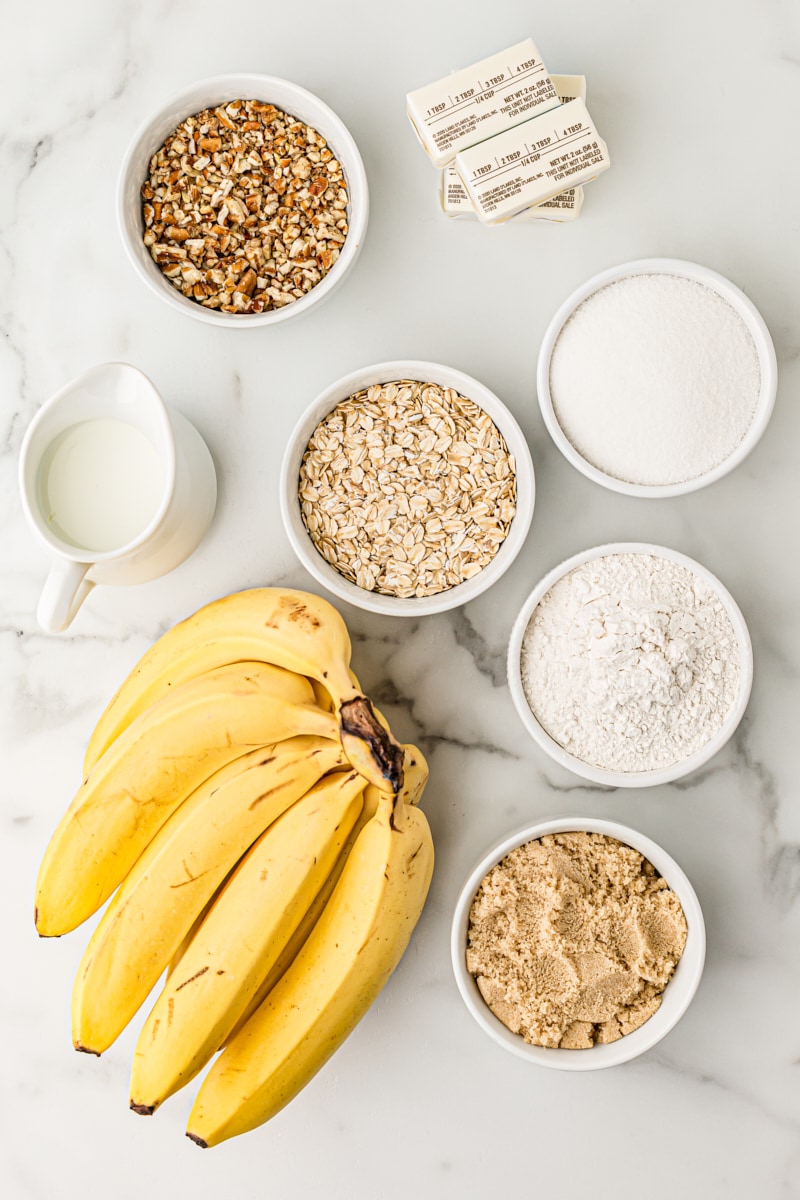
(566, 206)
(479, 101)
(456, 204)
(533, 163)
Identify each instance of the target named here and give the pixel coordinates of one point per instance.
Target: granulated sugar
(654, 379)
(630, 662)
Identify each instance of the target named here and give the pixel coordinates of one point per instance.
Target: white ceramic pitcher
(120, 392)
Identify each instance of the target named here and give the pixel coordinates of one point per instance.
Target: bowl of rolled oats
(407, 488)
(243, 201)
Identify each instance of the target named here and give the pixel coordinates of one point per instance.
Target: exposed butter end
(570, 87)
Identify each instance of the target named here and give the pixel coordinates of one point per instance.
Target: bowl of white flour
(630, 664)
(657, 377)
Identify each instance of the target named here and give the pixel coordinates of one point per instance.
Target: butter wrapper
(479, 101)
(532, 163)
(456, 204)
(566, 206)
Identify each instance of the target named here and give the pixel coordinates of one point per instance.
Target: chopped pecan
(244, 207)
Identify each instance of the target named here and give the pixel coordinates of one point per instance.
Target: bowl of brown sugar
(577, 943)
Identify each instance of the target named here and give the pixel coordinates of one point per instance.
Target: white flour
(654, 379)
(630, 662)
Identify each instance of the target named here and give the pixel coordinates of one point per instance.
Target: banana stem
(358, 720)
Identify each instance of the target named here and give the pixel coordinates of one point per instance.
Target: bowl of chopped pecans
(407, 488)
(243, 201)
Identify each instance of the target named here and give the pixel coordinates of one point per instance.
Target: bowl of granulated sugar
(657, 377)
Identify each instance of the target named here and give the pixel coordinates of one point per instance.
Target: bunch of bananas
(255, 825)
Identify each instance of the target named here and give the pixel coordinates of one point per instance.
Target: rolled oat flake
(407, 488)
(654, 379)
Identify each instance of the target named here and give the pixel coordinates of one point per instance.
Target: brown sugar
(573, 938)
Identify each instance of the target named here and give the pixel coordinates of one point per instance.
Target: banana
(178, 872)
(325, 699)
(163, 755)
(245, 930)
(415, 770)
(295, 630)
(416, 774)
(351, 952)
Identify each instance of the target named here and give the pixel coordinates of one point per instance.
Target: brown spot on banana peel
(264, 796)
(144, 1110)
(300, 614)
(410, 868)
(191, 978)
(262, 763)
(357, 718)
(190, 878)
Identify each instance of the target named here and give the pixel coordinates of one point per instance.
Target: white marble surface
(698, 101)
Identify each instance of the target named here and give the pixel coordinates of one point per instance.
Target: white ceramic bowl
(426, 372)
(746, 310)
(677, 994)
(634, 778)
(220, 90)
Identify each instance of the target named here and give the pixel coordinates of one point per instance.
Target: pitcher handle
(65, 590)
